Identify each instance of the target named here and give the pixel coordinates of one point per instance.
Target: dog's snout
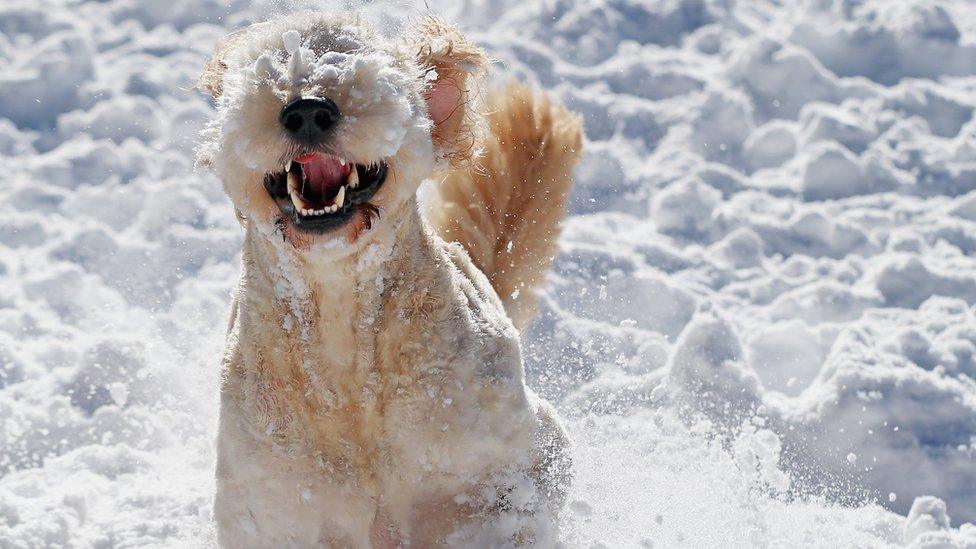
(309, 118)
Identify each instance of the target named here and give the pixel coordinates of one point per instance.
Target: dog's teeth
(340, 197)
(342, 161)
(288, 166)
(353, 180)
(293, 191)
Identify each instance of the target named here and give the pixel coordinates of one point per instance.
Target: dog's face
(325, 129)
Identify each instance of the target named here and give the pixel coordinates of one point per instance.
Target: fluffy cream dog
(372, 391)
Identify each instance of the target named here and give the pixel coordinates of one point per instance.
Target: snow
(761, 329)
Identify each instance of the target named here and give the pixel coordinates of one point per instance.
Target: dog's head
(325, 128)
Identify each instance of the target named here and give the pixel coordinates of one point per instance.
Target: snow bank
(761, 328)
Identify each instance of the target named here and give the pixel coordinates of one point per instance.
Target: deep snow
(761, 329)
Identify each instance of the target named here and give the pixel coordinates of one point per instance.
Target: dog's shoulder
(488, 322)
(480, 284)
(445, 312)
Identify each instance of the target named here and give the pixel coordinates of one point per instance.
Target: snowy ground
(761, 329)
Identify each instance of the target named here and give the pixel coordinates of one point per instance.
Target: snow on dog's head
(325, 128)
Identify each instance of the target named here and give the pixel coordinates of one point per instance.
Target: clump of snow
(761, 325)
(769, 145)
(685, 208)
(833, 172)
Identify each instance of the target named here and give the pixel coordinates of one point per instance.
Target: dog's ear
(453, 71)
(212, 79)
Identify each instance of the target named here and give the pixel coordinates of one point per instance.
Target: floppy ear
(453, 70)
(212, 79)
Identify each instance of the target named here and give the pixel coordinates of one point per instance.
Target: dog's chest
(388, 395)
(319, 390)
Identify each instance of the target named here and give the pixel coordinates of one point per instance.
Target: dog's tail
(506, 208)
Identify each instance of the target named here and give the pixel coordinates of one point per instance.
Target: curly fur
(460, 64)
(506, 211)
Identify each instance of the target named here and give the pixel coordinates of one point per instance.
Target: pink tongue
(324, 174)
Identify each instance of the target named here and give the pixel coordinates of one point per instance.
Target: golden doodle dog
(372, 391)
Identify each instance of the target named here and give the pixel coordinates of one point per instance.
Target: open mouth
(320, 192)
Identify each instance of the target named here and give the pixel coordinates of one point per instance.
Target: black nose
(309, 118)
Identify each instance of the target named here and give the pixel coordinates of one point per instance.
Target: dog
(372, 390)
